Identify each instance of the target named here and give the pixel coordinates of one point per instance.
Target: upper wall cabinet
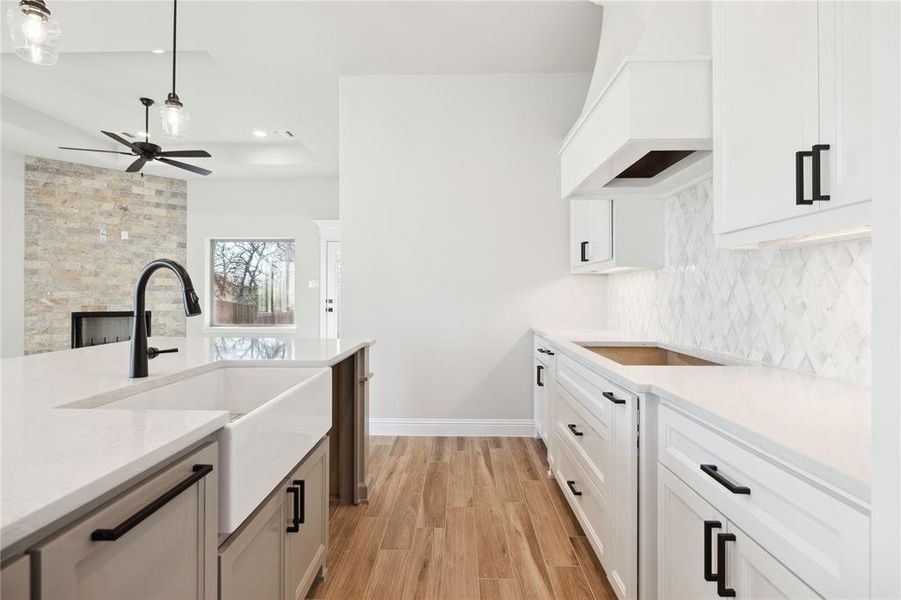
(647, 134)
(791, 96)
(615, 235)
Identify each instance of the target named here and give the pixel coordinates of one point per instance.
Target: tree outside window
(253, 282)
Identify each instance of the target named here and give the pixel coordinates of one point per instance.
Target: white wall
(454, 237)
(12, 254)
(246, 208)
(886, 411)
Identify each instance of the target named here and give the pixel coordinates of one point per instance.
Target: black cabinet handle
(583, 250)
(799, 177)
(572, 428)
(612, 398)
(111, 535)
(816, 172)
(709, 526)
(301, 515)
(713, 471)
(297, 491)
(546, 351)
(721, 590)
(538, 370)
(572, 488)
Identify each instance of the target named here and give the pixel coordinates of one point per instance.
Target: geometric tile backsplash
(805, 308)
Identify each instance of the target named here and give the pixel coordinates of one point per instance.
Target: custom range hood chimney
(645, 128)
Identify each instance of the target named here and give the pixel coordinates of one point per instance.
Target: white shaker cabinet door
(845, 56)
(685, 523)
(765, 110)
(753, 573)
(591, 232)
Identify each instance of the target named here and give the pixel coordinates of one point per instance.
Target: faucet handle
(154, 352)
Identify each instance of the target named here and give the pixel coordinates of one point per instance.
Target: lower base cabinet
(157, 540)
(15, 580)
(278, 552)
(701, 554)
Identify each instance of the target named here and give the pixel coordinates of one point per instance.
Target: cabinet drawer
(822, 538)
(589, 439)
(591, 506)
(169, 553)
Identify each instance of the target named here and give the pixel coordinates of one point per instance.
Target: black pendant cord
(174, 39)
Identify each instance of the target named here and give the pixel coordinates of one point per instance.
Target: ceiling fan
(146, 151)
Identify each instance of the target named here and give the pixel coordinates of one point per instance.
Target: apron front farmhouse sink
(276, 415)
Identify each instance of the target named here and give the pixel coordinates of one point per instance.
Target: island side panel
(361, 425)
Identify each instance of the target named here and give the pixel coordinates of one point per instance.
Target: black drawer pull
(816, 172)
(298, 492)
(612, 398)
(709, 526)
(721, 590)
(799, 177)
(713, 471)
(572, 428)
(538, 370)
(583, 250)
(546, 351)
(572, 488)
(111, 535)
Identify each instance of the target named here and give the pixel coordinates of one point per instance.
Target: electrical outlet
(124, 235)
(103, 234)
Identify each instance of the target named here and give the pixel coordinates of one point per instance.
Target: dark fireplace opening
(103, 327)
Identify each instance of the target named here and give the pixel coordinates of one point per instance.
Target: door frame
(329, 231)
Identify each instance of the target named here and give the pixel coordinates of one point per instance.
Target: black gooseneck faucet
(140, 353)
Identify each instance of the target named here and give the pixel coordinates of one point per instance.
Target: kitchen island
(61, 459)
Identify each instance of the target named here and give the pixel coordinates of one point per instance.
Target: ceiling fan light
(174, 117)
(34, 32)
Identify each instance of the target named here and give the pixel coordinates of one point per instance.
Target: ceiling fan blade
(136, 165)
(185, 166)
(121, 140)
(92, 150)
(187, 153)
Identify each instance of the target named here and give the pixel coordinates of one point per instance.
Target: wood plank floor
(460, 518)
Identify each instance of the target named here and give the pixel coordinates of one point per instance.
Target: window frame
(211, 285)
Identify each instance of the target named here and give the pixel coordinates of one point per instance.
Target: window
(253, 282)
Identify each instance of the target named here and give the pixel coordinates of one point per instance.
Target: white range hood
(646, 130)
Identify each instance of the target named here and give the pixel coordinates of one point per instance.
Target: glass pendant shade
(174, 118)
(34, 33)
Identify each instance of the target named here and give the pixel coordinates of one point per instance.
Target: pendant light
(172, 113)
(35, 34)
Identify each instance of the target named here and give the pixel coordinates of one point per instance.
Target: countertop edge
(45, 516)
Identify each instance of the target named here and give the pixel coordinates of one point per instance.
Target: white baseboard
(457, 427)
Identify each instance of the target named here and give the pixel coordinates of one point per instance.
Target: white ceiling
(250, 65)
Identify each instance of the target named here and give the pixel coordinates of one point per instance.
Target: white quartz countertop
(55, 460)
(818, 425)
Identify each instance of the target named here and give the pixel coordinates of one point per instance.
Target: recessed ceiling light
(259, 133)
(158, 51)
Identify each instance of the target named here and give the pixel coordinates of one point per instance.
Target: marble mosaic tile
(805, 308)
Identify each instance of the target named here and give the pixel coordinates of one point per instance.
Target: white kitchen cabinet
(686, 526)
(754, 573)
(615, 235)
(543, 385)
(595, 445)
(790, 78)
(791, 533)
(698, 546)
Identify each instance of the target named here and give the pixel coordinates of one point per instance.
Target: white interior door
(332, 288)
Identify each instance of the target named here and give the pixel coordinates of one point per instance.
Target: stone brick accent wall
(69, 267)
